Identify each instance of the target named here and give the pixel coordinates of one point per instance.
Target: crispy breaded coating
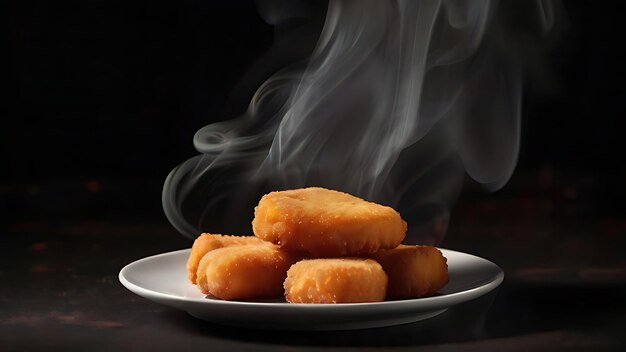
(339, 280)
(413, 271)
(207, 242)
(327, 223)
(244, 271)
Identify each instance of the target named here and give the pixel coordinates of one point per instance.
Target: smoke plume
(398, 101)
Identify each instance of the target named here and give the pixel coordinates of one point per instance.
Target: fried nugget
(327, 223)
(244, 271)
(207, 242)
(413, 271)
(339, 280)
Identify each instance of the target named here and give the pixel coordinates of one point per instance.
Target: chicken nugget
(207, 242)
(413, 271)
(339, 280)
(326, 223)
(244, 271)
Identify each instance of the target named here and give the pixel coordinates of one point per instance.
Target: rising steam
(397, 101)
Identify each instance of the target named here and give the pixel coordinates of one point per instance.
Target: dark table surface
(565, 284)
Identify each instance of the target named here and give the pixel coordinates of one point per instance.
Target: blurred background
(102, 99)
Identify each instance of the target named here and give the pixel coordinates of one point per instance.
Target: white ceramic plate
(162, 278)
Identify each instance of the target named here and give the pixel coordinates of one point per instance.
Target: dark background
(102, 99)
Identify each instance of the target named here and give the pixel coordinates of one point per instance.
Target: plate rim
(449, 299)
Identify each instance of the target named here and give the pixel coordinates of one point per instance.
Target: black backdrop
(115, 90)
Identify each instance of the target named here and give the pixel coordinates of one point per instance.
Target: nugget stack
(317, 246)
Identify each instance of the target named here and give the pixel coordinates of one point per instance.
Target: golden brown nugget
(413, 271)
(207, 242)
(326, 223)
(338, 280)
(244, 272)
